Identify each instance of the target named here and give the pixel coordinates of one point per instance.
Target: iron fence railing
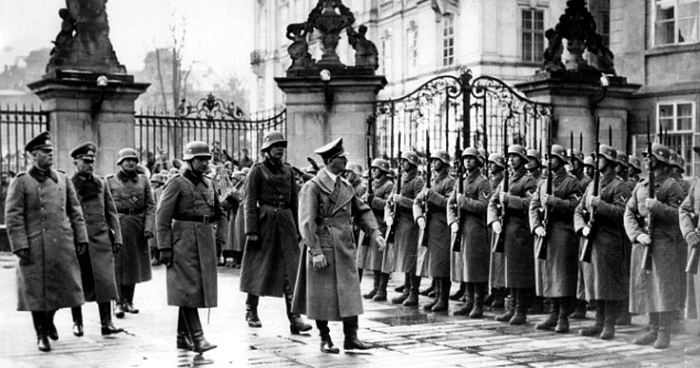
(17, 126)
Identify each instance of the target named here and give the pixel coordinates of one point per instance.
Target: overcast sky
(218, 32)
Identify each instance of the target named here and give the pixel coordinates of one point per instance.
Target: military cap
(41, 141)
(661, 152)
(622, 159)
(635, 163)
(85, 151)
(471, 151)
(411, 157)
(575, 154)
(519, 150)
(560, 152)
(497, 159)
(441, 155)
(332, 150)
(588, 161)
(125, 153)
(272, 138)
(381, 164)
(609, 152)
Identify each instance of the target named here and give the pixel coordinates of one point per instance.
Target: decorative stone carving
(299, 49)
(330, 17)
(83, 43)
(553, 53)
(365, 50)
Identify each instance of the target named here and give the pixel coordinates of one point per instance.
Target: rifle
(370, 190)
(498, 245)
(457, 237)
(646, 258)
(541, 241)
(391, 232)
(586, 245)
(423, 233)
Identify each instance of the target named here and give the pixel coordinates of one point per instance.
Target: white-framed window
(412, 43)
(386, 62)
(448, 40)
(677, 119)
(675, 21)
(532, 34)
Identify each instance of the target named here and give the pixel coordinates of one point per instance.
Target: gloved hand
(319, 261)
(651, 203)
(644, 239)
(585, 231)
(454, 227)
(421, 222)
(496, 226)
(116, 247)
(381, 244)
(80, 248)
(166, 257)
(540, 231)
(692, 239)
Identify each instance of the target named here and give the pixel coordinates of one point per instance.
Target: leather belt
(131, 212)
(206, 219)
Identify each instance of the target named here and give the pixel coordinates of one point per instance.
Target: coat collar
(195, 179)
(124, 176)
(41, 175)
(337, 195)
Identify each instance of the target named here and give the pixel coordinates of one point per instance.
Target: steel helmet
(441, 155)
(125, 153)
(196, 149)
(609, 152)
(381, 164)
(588, 161)
(575, 154)
(272, 138)
(622, 159)
(533, 153)
(560, 151)
(411, 157)
(498, 160)
(681, 163)
(519, 150)
(635, 163)
(482, 155)
(471, 151)
(661, 152)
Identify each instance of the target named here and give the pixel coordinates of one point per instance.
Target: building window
(386, 50)
(676, 21)
(448, 40)
(532, 35)
(412, 42)
(677, 118)
(604, 27)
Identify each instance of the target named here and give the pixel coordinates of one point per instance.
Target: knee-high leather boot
(479, 295)
(521, 303)
(407, 289)
(650, 336)
(553, 316)
(381, 289)
(106, 319)
(663, 340)
(251, 311)
(296, 323)
(412, 299)
(612, 312)
(443, 297)
(375, 287)
(565, 306)
(184, 340)
(50, 326)
(42, 341)
(77, 314)
(460, 292)
(429, 306)
(510, 312)
(350, 327)
(600, 317)
(326, 342)
(469, 293)
(194, 326)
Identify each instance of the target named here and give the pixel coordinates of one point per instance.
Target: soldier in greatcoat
(46, 229)
(233, 201)
(588, 169)
(656, 291)
(157, 181)
(577, 165)
(606, 275)
(404, 251)
(436, 255)
(497, 271)
(560, 273)
(271, 254)
(190, 222)
(689, 211)
(519, 262)
(534, 169)
(622, 167)
(328, 287)
(369, 256)
(134, 200)
(104, 233)
(472, 261)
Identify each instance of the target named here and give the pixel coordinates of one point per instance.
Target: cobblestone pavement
(407, 337)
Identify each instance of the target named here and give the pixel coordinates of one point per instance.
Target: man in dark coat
(134, 200)
(190, 223)
(518, 252)
(472, 260)
(560, 274)
(606, 284)
(271, 254)
(328, 287)
(497, 271)
(656, 291)
(46, 229)
(688, 219)
(104, 233)
(434, 257)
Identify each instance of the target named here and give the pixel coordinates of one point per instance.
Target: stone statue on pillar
(299, 49)
(365, 50)
(83, 42)
(330, 17)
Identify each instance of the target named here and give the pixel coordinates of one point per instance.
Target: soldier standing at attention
(328, 287)
(688, 214)
(655, 291)
(104, 233)
(560, 273)
(271, 254)
(519, 262)
(436, 256)
(134, 200)
(471, 263)
(497, 271)
(635, 170)
(157, 182)
(534, 169)
(190, 223)
(46, 229)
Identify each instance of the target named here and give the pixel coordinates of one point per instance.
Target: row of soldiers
(480, 211)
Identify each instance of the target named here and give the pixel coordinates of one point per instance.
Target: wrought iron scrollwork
(210, 107)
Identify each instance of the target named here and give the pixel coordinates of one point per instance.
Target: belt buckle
(205, 219)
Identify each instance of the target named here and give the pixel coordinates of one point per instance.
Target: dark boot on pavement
(612, 311)
(552, 317)
(663, 340)
(128, 304)
(375, 287)
(405, 291)
(194, 326)
(381, 290)
(580, 311)
(564, 310)
(625, 318)
(326, 342)
(296, 323)
(352, 342)
(521, 302)
(431, 289)
(510, 309)
(597, 328)
(251, 311)
(108, 328)
(412, 299)
(119, 310)
(537, 306)
(650, 336)
(429, 306)
(479, 294)
(77, 314)
(460, 292)
(42, 341)
(443, 295)
(468, 305)
(51, 329)
(184, 340)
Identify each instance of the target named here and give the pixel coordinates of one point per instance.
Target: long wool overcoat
(434, 260)
(153, 242)
(192, 279)
(497, 270)
(137, 209)
(231, 203)
(688, 218)
(369, 257)
(44, 216)
(606, 277)
(326, 215)
(101, 219)
(270, 210)
(401, 256)
(519, 260)
(471, 263)
(660, 289)
(560, 274)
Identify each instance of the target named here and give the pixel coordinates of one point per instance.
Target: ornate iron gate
(446, 106)
(222, 125)
(18, 126)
